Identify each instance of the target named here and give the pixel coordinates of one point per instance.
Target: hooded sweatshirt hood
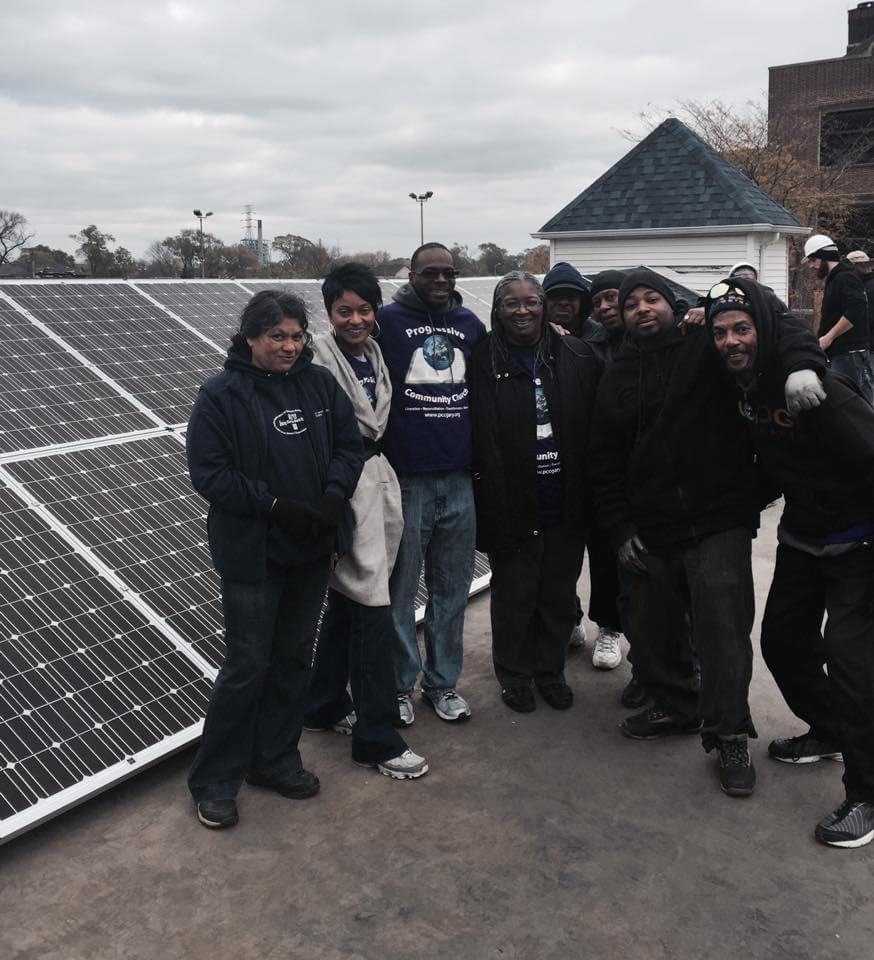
(407, 297)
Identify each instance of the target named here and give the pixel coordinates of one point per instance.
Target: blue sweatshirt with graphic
(426, 351)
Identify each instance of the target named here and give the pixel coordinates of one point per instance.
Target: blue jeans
(439, 530)
(857, 366)
(255, 713)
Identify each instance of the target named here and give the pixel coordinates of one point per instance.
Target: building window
(847, 138)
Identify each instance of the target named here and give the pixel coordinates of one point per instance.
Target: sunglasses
(723, 289)
(434, 273)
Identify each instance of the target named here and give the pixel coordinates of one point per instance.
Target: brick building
(831, 103)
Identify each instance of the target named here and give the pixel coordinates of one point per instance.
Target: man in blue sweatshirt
(426, 337)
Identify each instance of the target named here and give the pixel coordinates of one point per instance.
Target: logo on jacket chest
(290, 422)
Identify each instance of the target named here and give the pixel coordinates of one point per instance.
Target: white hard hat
(743, 263)
(816, 244)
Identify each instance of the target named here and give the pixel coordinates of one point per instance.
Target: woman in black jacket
(273, 446)
(532, 394)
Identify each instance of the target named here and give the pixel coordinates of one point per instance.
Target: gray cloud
(324, 116)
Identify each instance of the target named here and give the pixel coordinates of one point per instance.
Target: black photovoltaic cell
(144, 351)
(85, 681)
(133, 504)
(47, 397)
(213, 308)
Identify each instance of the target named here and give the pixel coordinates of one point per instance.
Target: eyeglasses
(514, 306)
(434, 273)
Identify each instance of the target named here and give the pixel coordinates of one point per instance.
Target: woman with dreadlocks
(532, 394)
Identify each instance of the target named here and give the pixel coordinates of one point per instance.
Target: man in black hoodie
(679, 497)
(823, 462)
(843, 327)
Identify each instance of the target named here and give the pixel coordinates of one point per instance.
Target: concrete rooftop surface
(545, 836)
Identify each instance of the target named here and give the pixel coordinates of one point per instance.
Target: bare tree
(13, 233)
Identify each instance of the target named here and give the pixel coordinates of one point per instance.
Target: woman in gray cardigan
(357, 634)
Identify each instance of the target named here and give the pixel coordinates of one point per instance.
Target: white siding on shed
(699, 260)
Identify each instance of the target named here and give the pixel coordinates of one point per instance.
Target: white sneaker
(405, 709)
(343, 726)
(607, 654)
(577, 638)
(449, 706)
(408, 766)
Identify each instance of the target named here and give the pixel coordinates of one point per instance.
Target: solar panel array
(110, 617)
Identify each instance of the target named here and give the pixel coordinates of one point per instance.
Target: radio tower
(248, 221)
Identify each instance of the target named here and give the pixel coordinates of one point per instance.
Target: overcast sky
(325, 115)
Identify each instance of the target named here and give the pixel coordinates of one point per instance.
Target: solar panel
(48, 397)
(133, 505)
(90, 690)
(110, 615)
(146, 353)
(212, 307)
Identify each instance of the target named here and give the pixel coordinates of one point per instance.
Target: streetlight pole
(201, 216)
(421, 199)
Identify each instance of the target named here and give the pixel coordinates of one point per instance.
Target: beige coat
(362, 574)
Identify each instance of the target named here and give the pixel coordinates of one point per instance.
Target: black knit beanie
(646, 278)
(607, 280)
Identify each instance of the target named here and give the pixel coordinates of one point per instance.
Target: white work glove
(630, 555)
(804, 391)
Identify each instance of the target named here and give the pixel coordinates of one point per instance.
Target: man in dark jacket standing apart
(426, 337)
(678, 494)
(823, 462)
(843, 328)
(273, 446)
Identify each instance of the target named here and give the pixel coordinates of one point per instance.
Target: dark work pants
(532, 606)
(356, 644)
(603, 582)
(702, 589)
(839, 706)
(255, 713)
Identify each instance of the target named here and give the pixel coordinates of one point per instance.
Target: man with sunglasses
(823, 462)
(426, 337)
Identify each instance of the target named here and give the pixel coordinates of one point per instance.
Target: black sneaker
(737, 775)
(851, 825)
(803, 749)
(217, 814)
(519, 698)
(634, 695)
(655, 723)
(556, 693)
(298, 786)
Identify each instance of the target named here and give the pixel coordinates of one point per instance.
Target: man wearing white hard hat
(843, 331)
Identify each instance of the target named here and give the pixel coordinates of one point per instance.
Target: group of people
(605, 417)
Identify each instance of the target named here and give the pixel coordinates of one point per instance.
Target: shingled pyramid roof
(671, 179)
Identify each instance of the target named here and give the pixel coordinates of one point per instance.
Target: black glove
(295, 518)
(328, 513)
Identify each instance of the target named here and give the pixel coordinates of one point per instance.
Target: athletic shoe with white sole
(449, 705)
(343, 726)
(217, 814)
(407, 766)
(577, 638)
(851, 825)
(803, 749)
(406, 714)
(607, 654)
